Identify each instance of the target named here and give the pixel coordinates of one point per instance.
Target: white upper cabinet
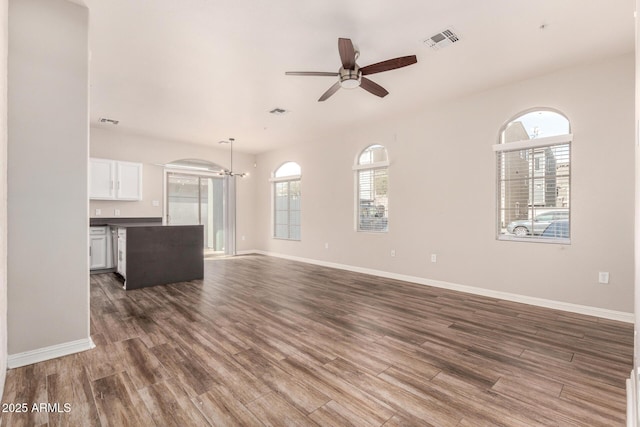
(101, 179)
(129, 182)
(114, 180)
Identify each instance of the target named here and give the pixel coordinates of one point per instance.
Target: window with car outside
(534, 178)
(372, 185)
(287, 201)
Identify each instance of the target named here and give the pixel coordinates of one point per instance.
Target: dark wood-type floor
(265, 341)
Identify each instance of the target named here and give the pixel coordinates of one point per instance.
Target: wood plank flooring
(263, 341)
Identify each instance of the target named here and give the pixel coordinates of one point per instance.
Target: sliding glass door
(198, 199)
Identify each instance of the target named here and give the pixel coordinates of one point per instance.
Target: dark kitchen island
(150, 253)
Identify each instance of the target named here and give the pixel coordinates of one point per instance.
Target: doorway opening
(199, 195)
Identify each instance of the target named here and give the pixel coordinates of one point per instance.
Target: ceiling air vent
(442, 39)
(109, 121)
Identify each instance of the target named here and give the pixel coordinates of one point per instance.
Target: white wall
(632, 406)
(443, 193)
(152, 152)
(48, 281)
(3, 191)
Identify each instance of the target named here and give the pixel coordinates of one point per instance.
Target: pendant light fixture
(230, 172)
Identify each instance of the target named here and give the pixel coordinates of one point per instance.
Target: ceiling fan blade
(373, 87)
(311, 73)
(347, 53)
(389, 64)
(333, 89)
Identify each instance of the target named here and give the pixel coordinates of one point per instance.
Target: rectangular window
(373, 200)
(287, 210)
(533, 192)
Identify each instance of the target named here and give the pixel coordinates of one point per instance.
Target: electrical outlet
(116, 212)
(603, 277)
(434, 258)
(393, 252)
(155, 203)
(98, 212)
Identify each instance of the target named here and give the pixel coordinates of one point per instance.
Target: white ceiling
(205, 70)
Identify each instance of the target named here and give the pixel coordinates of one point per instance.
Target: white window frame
(357, 167)
(527, 145)
(274, 180)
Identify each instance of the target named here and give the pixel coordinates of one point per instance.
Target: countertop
(126, 222)
(150, 224)
(138, 224)
(131, 222)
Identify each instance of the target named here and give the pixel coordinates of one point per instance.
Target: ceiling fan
(351, 75)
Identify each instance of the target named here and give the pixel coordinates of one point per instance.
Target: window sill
(554, 241)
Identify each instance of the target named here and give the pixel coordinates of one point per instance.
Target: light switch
(116, 212)
(98, 212)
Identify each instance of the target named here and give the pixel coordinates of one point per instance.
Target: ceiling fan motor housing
(350, 79)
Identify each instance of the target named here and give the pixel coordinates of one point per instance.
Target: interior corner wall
(633, 382)
(3, 191)
(442, 192)
(48, 93)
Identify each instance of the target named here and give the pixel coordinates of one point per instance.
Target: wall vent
(442, 39)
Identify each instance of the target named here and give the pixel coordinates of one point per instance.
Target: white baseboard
(47, 353)
(250, 252)
(540, 302)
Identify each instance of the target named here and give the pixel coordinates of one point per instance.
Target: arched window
(534, 177)
(286, 201)
(372, 184)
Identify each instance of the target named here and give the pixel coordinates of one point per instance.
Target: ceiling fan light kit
(350, 79)
(350, 75)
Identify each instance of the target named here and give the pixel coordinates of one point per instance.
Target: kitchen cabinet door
(129, 181)
(98, 251)
(101, 179)
(114, 180)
